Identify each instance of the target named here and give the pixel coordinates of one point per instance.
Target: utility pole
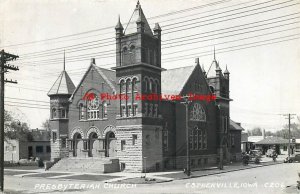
(289, 134)
(186, 102)
(5, 57)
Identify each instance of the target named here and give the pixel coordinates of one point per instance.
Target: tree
(255, 131)
(46, 125)
(15, 129)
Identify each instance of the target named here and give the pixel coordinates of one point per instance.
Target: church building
(138, 135)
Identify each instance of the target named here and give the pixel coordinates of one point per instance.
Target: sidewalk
(177, 175)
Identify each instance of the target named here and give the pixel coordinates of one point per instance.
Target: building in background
(37, 146)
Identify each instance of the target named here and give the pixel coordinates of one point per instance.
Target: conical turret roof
(138, 16)
(63, 85)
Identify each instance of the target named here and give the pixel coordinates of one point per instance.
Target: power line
(166, 30)
(110, 27)
(207, 32)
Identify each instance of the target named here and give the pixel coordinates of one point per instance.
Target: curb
(222, 172)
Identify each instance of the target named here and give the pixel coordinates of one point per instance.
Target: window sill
(104, 119)
(55, 119)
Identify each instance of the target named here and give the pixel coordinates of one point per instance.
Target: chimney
(263, 133)
(93, 61)
(197, 61)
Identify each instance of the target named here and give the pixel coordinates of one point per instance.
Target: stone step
(96, 165)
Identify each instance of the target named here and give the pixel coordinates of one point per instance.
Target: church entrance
(110, 144)
(77, 144)
(93, 144)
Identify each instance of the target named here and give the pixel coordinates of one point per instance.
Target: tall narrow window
(81, 112)
(54, 136)
(122, 87)
(104, 109)
(129, 110)
(135, 109)
(53, 113)
(151, 86)
(200, 139)
(125, 60)
(123, 110)
(204, 139)
(123, 142)
(134, 138)
(132, 54)
(155, 114)
(63, 113)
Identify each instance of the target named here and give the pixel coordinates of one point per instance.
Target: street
(280, 178)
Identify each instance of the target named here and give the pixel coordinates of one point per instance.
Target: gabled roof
(63, 85)
(235, 126)
(108, 75)
(272, 141)
(173, 80)
(138, 15)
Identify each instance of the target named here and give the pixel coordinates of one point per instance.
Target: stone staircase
(92, 165)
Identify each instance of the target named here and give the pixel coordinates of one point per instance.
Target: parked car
(256, 152)
(294, 158)
(271, 153)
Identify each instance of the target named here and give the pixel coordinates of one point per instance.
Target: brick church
(143, 134)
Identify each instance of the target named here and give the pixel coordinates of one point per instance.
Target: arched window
(132, 54)
(146, 84)
(128, 86)
(198, 113)
(122, 87)
(151, 86)
(63, 113)
(93, 107)
(212, 89)
(81, 112)
(134, 91)
(125, 54)
(54, 115)
(134, 84)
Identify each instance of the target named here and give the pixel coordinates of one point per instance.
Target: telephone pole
(186, 102)
(4, 67)
(289, 134)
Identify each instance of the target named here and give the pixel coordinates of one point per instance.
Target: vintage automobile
(256, 152)
(271, 153)
(294, 158)
(255, 156)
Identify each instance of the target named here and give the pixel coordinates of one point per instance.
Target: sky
(258, 40)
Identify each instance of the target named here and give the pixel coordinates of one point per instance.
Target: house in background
(38, 145)
(235, 135)
(279, 144)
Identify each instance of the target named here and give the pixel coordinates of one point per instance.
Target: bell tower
(138, 73)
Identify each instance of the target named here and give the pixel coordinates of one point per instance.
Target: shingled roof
(235, 126)
(272, 141)
(63, 85)
(173, 80)
(108, 75)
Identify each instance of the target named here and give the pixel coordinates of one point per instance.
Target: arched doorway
(77, 144)
(93, 144)
(110, 144)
